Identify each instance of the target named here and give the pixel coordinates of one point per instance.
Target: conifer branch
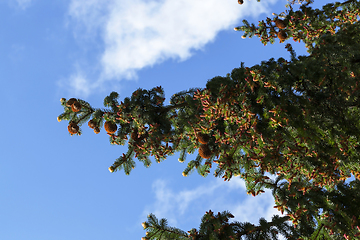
(318, 231)
(84, 117)
(311, 141)
(259, 228)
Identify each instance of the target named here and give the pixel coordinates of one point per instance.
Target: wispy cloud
(174, 204)
(138, 33)
(23, 4)
(217, 195)
(77, 84)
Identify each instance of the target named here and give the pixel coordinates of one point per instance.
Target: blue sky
(56, 187)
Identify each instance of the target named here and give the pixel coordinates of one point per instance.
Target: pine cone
(73, 128)
(282, 35)
(205, 151)
(92, 124)
(280, 23)
(76, 106)
(240, 2)
(70, 102)
(96, 130)
(143, 136)
(203, 138)
(110, 127)
(134, 135)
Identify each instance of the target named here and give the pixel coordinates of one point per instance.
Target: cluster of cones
(74, 104)
(92, 125)
(281, 25)
(204, 150)
(110, 127)
(73, 128)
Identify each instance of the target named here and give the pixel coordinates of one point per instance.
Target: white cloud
(216, 195)
(172, 205)
(23, 4)
(78, 84)
(139, 33)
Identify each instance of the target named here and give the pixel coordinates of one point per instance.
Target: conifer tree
(298, 120)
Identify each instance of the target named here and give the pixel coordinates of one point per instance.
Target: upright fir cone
(73, 128)
(282, 35)
(205, 151)
(240, 2)
(110, 127)
(280, 23)
(203, 138)
(91, 124)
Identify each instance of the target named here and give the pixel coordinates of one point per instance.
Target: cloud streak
(23, 4)
(137, 34)
(217, 195)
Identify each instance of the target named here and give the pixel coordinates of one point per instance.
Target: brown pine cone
(143, 136)
(96, 130)
(205, 151)
(110, 127)
(280, 23)
(203, 138)
(282, 35)
(73, 128)
(240, 2)
(76, 106)
(92, 124)
(134, 135)
(70, 102)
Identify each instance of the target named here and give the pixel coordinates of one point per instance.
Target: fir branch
(311, 140)
(259, 228)
(84, 117)
(322, 225)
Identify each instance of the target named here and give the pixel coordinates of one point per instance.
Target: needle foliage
(298, 120)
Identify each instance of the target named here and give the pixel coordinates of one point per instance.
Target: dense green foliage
(296, 119)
